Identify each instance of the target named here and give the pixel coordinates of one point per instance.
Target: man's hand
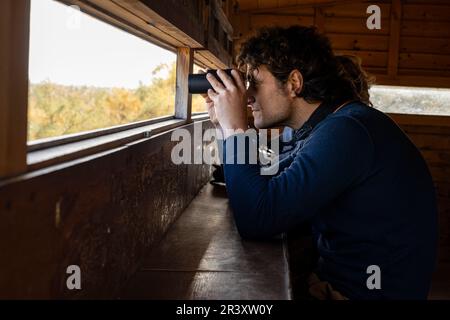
(210, 108)
(229, 101)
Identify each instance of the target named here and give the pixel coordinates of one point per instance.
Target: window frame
(76, 137)
(17, 151)
(14, 34)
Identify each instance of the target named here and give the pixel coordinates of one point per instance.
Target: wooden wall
(101, 213)
(411, 48)
(431, 134)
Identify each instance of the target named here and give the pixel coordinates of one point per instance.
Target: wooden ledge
(203, 257)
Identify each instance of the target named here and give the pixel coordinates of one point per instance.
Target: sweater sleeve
(334, 157)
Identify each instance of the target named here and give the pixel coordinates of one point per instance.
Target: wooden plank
(414, 81)
(202, 253)
(430, 142)
(261, 7)
(427, 11)
(183, 100)
(219, 34)
(246, 5)
(427, 2)
(376, 71)
(264, 4)
(71, 151)
(241, 25)
(354, 26)
(202, 285)
(425, 45)
(285, 3)
(355, 10)
(221, 16)
(222, 56)
(437, 29)
(319, 19)
(425, 72)
(117, 205)
(443, 191)
(295, 10)
(436, 158)
(394, 38)
(208, 59)
(424, 129)
(424, 61)
(264, 20)
(185, 20)
(331, 24)
(440, 174)
(358, 42)
(369, 58)
(14, 37)
(421, 120)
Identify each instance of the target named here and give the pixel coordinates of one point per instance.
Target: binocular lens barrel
(197, 83)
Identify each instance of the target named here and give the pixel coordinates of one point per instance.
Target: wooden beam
(394, 38)
(14, 37)
(183, 100)
(221, 16)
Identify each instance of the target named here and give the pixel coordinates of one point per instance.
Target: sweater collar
(321, 112)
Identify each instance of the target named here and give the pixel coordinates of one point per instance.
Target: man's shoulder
(355, 117)
(350, 119)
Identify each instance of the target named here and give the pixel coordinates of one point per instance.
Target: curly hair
(326, 77)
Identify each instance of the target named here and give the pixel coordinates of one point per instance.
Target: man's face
(271, 105)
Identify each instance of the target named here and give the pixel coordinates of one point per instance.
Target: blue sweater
(368, 194)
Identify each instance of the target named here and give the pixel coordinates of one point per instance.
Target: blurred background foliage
(56, 110)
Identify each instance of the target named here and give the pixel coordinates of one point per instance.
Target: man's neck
(301, 112)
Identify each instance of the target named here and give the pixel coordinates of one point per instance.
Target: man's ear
(295, 81)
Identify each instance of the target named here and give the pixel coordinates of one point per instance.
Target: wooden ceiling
(252, 5)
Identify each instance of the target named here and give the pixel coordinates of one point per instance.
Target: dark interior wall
(100, 213)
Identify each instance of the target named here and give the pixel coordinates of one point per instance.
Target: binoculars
(197, 83)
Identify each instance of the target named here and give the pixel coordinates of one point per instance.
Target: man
(352, 173)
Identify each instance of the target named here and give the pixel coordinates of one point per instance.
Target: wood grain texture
(394, 38)
(183, 100)
(410, 49)
(203, 257)
(102, 213)
(14, 34)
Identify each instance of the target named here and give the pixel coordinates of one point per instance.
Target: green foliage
(55, 110)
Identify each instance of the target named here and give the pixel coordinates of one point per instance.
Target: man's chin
(261, 125)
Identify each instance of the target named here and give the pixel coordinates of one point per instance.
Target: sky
(71, 48)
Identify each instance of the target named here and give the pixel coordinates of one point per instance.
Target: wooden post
(14, 39)
(394, 38)
(183, 100)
